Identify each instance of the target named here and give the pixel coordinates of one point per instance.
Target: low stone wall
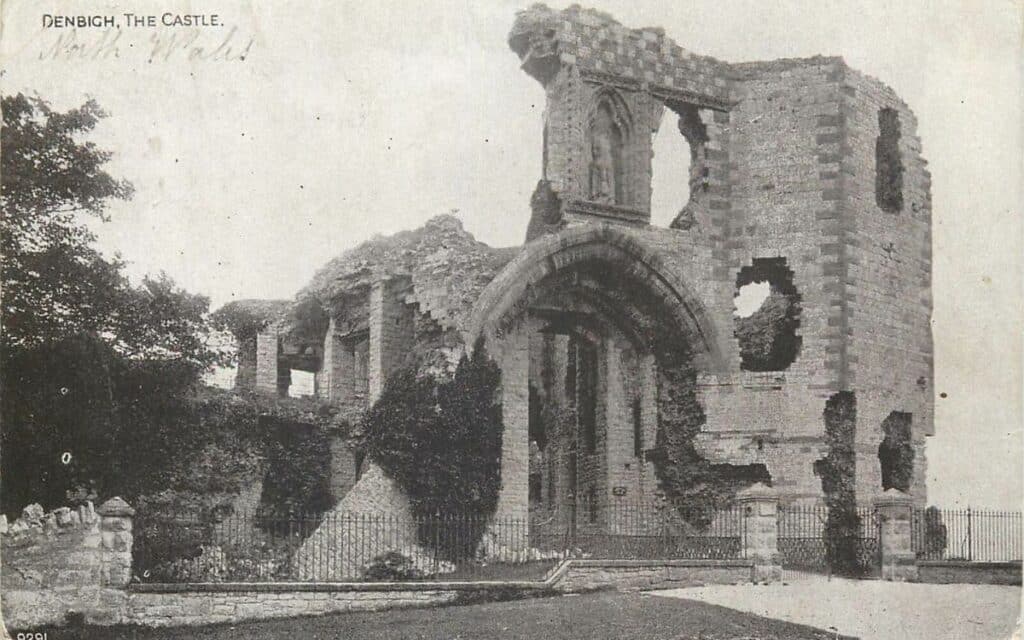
(950, 572)
(585, 575)
(68, 562)
(76, 564)
(173, 605)
(194, 604)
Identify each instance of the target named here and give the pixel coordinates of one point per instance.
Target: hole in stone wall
(888, 163)
(767, 332)
(896, 452)
(739, 476)
(670, 172)
(750, 297)
(303, 384)
(678, 172)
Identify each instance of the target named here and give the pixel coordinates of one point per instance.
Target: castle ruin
(806, 177)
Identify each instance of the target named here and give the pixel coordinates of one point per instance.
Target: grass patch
(603, 615)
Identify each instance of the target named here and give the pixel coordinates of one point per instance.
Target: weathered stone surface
(32, 514)
(116, 508)
(374, 518)
(170, 609)
(952, 572)
(56, 564)
(784, 171)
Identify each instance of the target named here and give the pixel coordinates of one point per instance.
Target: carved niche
(609, 133)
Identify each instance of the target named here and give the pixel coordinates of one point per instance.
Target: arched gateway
(588, 326)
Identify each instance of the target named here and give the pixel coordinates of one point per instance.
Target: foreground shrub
(391, 565)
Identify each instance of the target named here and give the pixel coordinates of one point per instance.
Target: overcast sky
(348, 119)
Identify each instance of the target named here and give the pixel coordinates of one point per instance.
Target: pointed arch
(506, 299)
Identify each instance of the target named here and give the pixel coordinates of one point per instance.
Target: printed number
(38, 635)
(65, 457)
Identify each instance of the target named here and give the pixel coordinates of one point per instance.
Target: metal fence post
(970, 551)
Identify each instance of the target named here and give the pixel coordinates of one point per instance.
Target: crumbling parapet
(760, 506)
(895, 511)
(67, 564)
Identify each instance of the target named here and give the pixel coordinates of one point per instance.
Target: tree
(440, 440)
(95, 369)
(51, 183)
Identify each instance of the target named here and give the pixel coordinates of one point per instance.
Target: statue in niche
(605, 157)
(602, 168)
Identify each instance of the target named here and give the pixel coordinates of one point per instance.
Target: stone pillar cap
(115, 507)
(893, 496)
(757, 491)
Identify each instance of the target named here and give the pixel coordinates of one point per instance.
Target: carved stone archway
(594, 278)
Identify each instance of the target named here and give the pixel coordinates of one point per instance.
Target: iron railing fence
(971, 535)
(815, 538)
(344, 547)
(655, 530)
(246, 547)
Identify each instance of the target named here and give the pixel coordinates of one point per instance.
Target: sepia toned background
(348, 119)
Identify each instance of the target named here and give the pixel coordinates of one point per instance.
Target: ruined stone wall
(587, 62)
(245, 374)
(328, 376)
(803, 187)
(391, 333)
(513, 357)
(267, 349)
(782, 202)
(888, 280)
(66, 564)
(787, 153)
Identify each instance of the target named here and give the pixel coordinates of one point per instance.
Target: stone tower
(805, 174)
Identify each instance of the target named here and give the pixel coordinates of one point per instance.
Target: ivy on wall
(441, 439)
(896, 452)
(684, 475)
(227, 440)
(297, 460)
(837, 471)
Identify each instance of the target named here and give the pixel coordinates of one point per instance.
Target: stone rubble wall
(68, 562)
